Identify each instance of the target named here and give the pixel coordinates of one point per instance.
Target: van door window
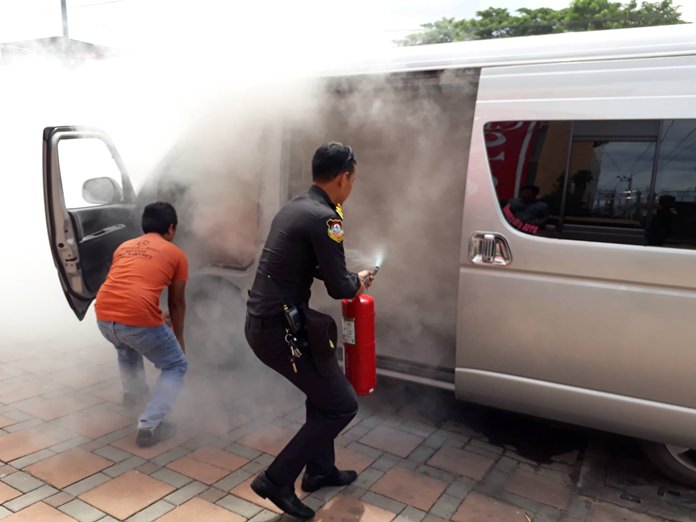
(629, 181)
(82, 160)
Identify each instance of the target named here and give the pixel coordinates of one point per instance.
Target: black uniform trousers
(331, 403)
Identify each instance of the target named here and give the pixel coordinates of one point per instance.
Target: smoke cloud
(228, 142)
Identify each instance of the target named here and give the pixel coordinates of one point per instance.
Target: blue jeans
(159, 345)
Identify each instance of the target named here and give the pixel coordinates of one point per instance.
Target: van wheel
(675, 462)
(215, 323)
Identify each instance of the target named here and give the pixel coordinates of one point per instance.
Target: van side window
(630, 181)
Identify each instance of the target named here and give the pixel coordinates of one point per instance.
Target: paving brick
(373, 453)
(124, 466)
(58, 499)
(421, 454)
(186, 493)
(81, 511)
(201, 471)
(50, 409)
(460, 488)
(603, 512)
(552, 492)
(198, 441)
(439, 474)
(99, 422)
(367, 478)
(220, 458)
(127, 494)
(128, 444)
(85, 485)
(113, 454)
(171, 477)
(29, 424)
(40, 512)
(171, 455)
(199, 509)
(242, 451)
(349, 508)
(233, 480)
(392, 440)
(349, 459)
(68, 467)
(239, 506)
(410, 488)
(254, 467)
(418, 428)
(386, 462)
(212, 494)
(153, 512)
(31, 459)
(148, 468)
(446, 506)
(70, 443)
(461, 462)
(410, 514)
(30, 498)
(547, 514)
(8, 493)
(266, 516)
(433, 518)
(434, 441)
(386, 503)
(477, 507)
(269, 439)
(23, 482)
(6, 470)
(22, 443)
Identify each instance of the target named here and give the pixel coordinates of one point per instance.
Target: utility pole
(64, 11)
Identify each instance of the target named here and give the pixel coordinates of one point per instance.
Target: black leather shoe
(337, 478)
(282, 496)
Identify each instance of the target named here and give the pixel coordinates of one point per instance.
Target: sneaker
(147, 437)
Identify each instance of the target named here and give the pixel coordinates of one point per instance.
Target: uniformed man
(306, 241)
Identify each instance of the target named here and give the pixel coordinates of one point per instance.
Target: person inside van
(659, 227)
(526, 212)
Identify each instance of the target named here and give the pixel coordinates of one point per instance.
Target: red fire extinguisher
(359, 343)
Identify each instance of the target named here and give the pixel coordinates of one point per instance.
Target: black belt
(267, 322)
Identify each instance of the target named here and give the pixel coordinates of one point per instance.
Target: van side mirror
(101, 191)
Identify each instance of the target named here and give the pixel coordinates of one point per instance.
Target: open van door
(90, 208)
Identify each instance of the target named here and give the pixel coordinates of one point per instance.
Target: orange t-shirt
(141, 269)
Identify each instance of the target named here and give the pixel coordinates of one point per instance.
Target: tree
(580, 15)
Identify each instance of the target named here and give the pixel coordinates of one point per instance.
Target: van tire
(678, 464)
(214, 325)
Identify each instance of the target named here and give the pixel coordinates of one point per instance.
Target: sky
(141, 24)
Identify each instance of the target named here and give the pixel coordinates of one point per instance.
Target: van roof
(672, 40)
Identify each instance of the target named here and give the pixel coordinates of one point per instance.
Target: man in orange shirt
(129, 316)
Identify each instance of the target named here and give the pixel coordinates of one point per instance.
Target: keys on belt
(295, 352)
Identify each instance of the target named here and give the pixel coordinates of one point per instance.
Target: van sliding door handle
(488, 248)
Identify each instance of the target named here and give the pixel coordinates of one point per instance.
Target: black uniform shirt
(305, 241)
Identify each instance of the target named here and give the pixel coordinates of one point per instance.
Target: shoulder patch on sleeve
(335, 229)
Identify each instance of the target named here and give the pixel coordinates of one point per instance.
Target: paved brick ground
(68, 453)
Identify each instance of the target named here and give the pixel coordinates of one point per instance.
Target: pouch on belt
(322, 335)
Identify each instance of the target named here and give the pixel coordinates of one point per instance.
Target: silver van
(534, 200)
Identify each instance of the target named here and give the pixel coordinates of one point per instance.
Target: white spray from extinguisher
(378, 265)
